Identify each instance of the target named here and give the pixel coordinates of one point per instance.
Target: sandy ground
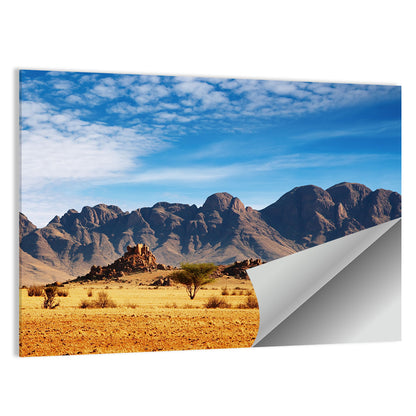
(144, 319)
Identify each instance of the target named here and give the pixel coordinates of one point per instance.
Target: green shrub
(194, 276)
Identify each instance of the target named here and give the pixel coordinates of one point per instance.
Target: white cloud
(88, 78)
(169, 106)
(197, 89)
(148, 93)
(153, 79)
(122, 108)
(163, 117)
(215, 99)
(106, 88)
(74, 99)
(126, 80)
(206, 173)
(63, 85)
(185, 175)
(60, 147)
(368, 129)
(313, 160)
(202, 92)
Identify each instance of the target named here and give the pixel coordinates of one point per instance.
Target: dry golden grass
(145, 319)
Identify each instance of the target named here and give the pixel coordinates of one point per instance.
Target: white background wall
(352, 41)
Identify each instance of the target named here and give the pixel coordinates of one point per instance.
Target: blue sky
(134, 140)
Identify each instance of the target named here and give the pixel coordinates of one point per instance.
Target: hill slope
(34, 272)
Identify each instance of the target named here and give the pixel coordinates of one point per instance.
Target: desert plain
(142, 318)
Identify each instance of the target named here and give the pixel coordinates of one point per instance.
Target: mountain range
(222, 230)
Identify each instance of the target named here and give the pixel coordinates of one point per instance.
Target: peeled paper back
(346, 290)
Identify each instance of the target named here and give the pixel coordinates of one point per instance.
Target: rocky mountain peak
(222, 201)
(99, 214)
(55, 220)
(349, 194)
(25, 226)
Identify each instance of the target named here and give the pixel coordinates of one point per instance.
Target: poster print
(147, 200)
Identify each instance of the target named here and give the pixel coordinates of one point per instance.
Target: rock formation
(239, 268)
(136, 259)
(162, 281)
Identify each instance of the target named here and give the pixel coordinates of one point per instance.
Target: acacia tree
(193, 276)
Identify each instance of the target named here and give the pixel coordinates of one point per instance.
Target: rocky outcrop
(239, 268)
(136, 259)
(162, 281)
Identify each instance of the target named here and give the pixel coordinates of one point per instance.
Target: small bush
(89, 293)
(62, 292)
(216, 302)
(85, 304)
(225, 292)
(171, 305)
(35, 290)
(234, 293)
(49, 295)
(251, 303)
(250, 292)
(104, 301)
(131, 305)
